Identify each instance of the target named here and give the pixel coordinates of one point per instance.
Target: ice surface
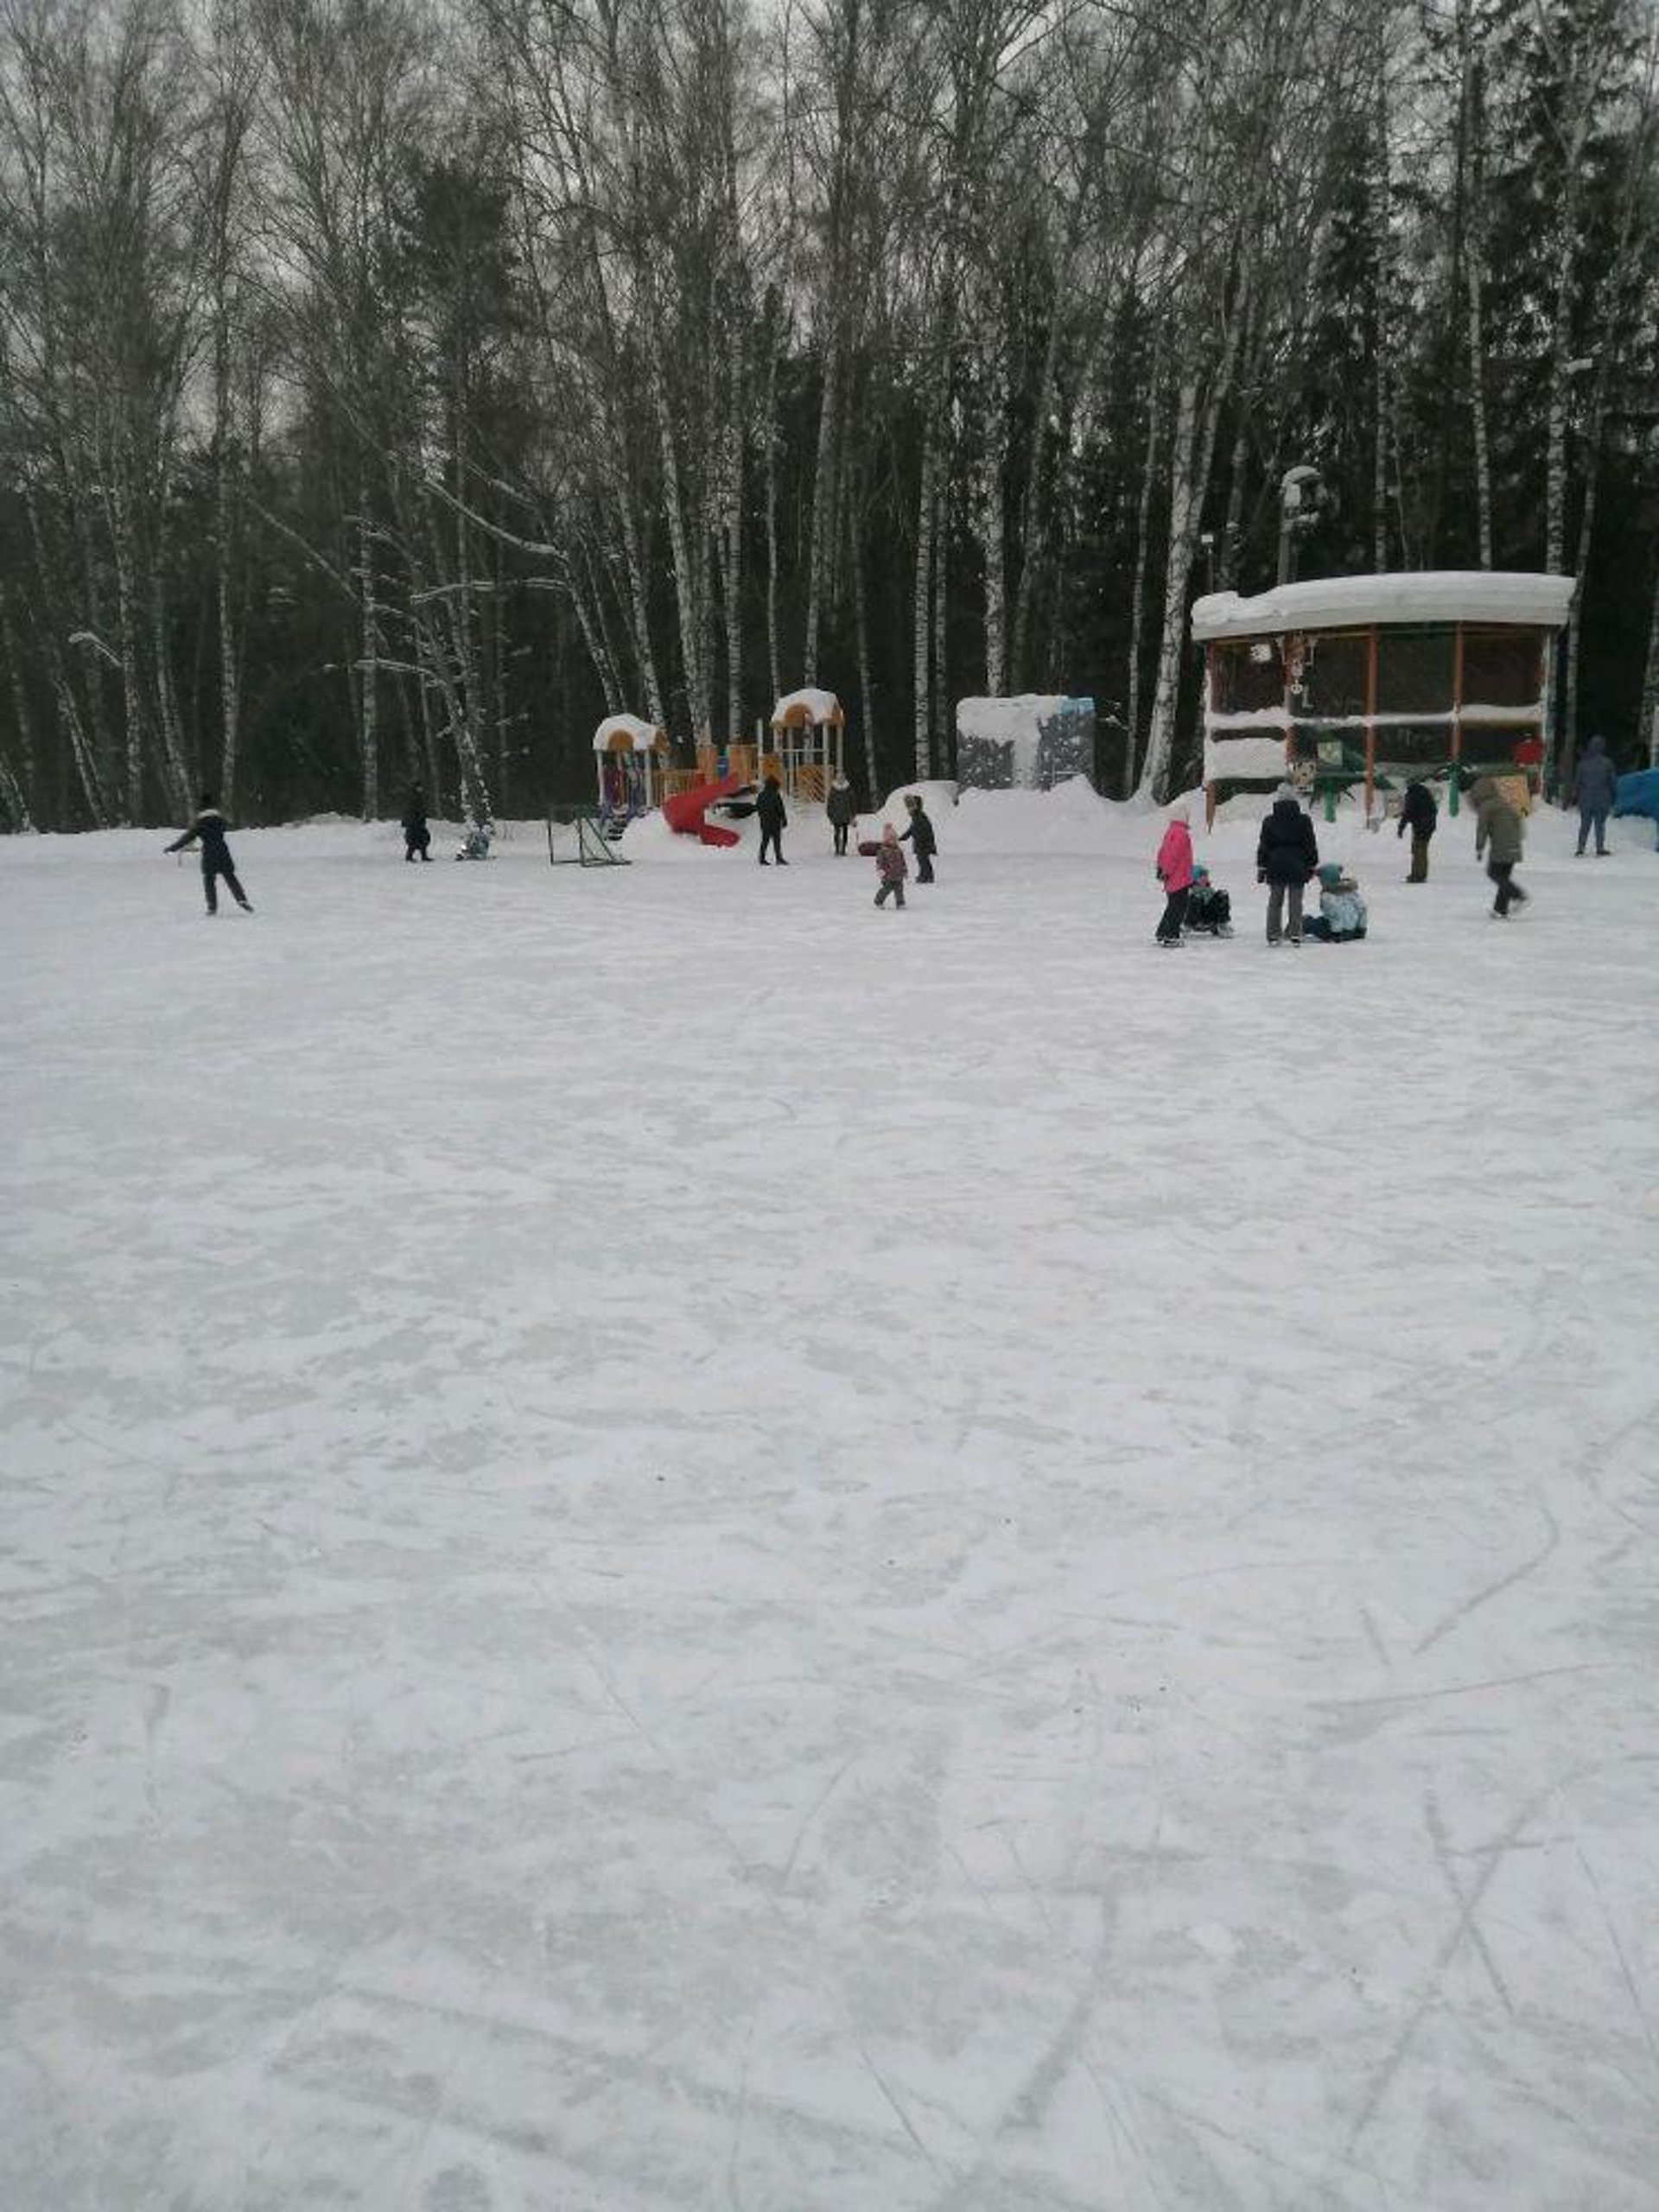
(1427, 595)
(670, 1543)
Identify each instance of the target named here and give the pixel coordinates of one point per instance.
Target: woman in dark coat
(920, 837)
(1287, 853)
(769, 813)
(839, 808)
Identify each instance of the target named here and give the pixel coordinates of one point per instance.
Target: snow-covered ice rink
(670, 1543)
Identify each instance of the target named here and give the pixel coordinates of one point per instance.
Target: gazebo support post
(1370, 718)
(1457, 721)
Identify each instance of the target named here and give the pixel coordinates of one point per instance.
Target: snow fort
(1349, 683)
(1027, 743)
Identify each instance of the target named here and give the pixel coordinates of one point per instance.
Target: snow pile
(820, 706)
(1429, 595)
(641, 735)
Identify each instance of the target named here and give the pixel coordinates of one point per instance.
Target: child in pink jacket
(1174, 866)
(891, 868)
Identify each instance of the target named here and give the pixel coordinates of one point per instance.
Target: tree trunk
(1138, 593)
(922, 604)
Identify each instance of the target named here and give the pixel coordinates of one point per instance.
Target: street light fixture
(1299, 490)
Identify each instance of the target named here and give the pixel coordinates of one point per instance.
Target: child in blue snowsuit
(1341, 919)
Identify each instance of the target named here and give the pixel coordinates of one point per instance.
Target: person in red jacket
(890, 866)
(1174, 869)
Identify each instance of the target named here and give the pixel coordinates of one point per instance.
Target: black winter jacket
(769, 806)
(209, 826)
(839, 806)
(1418, 811)
(1286, 851)
(921, 832)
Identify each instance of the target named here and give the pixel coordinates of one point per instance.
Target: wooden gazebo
(1349, 682)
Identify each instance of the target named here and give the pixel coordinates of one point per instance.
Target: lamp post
(1298, 507)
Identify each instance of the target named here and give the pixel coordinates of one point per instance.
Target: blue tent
(1638, 794)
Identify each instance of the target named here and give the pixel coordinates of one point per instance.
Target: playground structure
(630, 757)
(1367, 681)
(802, 747)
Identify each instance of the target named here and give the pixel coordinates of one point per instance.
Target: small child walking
(209, 827)
(891, 867)
(1174, 871)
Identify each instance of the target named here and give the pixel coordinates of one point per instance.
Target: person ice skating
(208, 828)
(1342, 915)
(769, 813)
(1499, 834)
(839, 808)
(1287, 853)
(1173, 867)
(919, 835)
(1419, 814)
(1209, 909)
(1592, 789)
(417, 837)
(891, 867)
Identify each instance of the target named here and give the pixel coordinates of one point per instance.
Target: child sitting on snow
(1341, 918)
(475, 846)
(1209, 910)
(891, 867)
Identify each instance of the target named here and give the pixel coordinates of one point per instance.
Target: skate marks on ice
(989, 1580)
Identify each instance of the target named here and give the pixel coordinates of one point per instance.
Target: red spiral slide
(686, 811)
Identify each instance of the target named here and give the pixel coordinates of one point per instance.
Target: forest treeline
(389, 389)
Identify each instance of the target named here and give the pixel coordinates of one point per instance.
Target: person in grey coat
(1592, 787)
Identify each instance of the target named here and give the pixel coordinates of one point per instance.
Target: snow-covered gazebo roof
(808, 709)
(1446, 595)
(627, 734)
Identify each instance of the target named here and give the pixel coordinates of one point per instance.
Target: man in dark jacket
(1287, 853)
(208, 828)
(769, 813)
(839, 808)
(919, 836)
(1419, 814)
(1592, 787)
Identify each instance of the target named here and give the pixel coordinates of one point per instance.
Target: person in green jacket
(1499, 836)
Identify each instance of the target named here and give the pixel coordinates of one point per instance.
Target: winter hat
(1330, 875)
(1201, 874)
(1288, 790)
(889, 835)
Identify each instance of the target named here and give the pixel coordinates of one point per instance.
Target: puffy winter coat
(921, 832)
(1286, 851)
(890, 862)
(839, 806)
(769, 806)
(1418, 811)
(1497, 826)
(1344, 907)
(1175, 859)
(210, 827)
(1596, 779)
